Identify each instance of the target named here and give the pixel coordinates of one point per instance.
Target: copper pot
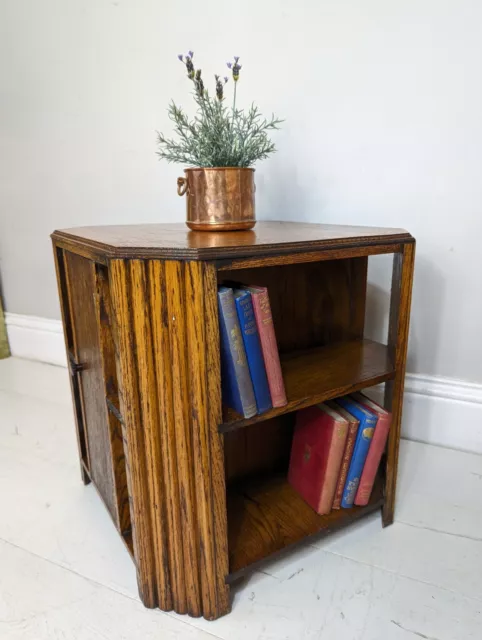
(218, 198)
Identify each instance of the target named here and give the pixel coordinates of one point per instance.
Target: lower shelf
(265, 516)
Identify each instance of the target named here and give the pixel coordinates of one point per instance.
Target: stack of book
(336, 451)
(251, 376)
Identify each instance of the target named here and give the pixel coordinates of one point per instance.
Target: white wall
(383, 108)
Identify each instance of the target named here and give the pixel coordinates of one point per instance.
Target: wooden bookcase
(198, 493)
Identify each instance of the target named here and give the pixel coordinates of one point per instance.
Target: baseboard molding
(442, 411)
(36, 338)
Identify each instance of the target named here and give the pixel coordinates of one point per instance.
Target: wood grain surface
(133, 434)
(81, 280)
(266, 516)
(198, 493)
(175, 241)
(398, 328)
(110, 390)
(316, 375)
(314, 303)
(62, 286)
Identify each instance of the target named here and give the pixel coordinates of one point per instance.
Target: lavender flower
(220, 87)
(190, 54)
(181, 57)
(198, 83)
(189, 67)
(235, 67)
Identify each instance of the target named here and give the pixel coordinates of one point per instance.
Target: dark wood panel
(313, 304)
(266, 516)
(399, 322)
(259, 448)
(175, 241)
(233, 264)
(317, 375)
(69, 347)
(105, 327)
(82, 290)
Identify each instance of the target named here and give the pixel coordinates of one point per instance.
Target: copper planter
(218, 198)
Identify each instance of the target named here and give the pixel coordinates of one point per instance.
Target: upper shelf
(319, 374)
(176, 241)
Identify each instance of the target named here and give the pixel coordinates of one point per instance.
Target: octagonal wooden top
(176, 241)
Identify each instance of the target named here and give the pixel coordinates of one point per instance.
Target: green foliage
(217, 136)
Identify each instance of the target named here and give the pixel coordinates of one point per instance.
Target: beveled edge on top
(103, 250)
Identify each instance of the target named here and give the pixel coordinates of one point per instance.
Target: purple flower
(235, 68)
(229, 65)
(225, 79)
(190, 54)
(180, 56)
(219, 88)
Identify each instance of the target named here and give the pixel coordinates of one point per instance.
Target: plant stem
(234, 99)
(232, 119)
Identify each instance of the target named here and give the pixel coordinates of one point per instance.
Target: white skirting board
(36, 338)
(441, 411)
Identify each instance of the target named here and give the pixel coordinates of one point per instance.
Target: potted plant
(221, 143)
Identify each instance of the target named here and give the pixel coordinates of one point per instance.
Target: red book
(353, 425)
(269, 346)
(316, 453)
(376, 450)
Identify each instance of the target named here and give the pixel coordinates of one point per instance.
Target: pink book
(376, 450)
(316, 454)
(353, 425)
(269, 346)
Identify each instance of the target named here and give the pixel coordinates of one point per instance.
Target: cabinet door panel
(81, 277)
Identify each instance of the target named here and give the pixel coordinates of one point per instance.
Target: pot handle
(182, 186)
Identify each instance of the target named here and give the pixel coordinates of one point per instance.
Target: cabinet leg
(402, 277)
(169, 379)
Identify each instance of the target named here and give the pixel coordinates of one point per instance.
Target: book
(237, 388)
(353, 425)
(316, 454)
(368, 421)
(269, 346)
(252, 345)
(376, 450)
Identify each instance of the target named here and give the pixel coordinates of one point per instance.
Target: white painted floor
(65, 575)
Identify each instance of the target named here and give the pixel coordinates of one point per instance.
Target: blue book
(252, 344)
(368, 422)
(237, 388)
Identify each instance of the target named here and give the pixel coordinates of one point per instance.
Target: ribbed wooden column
(169, 379)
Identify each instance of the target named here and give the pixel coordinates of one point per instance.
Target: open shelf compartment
(319, 316)
(266, 516)
(316, 375)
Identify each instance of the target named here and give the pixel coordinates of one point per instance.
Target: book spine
(252, 344)
(360, 452)
(372, 462)
(333, 463)
(269, 346)
(237, 385)
(347, 454)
